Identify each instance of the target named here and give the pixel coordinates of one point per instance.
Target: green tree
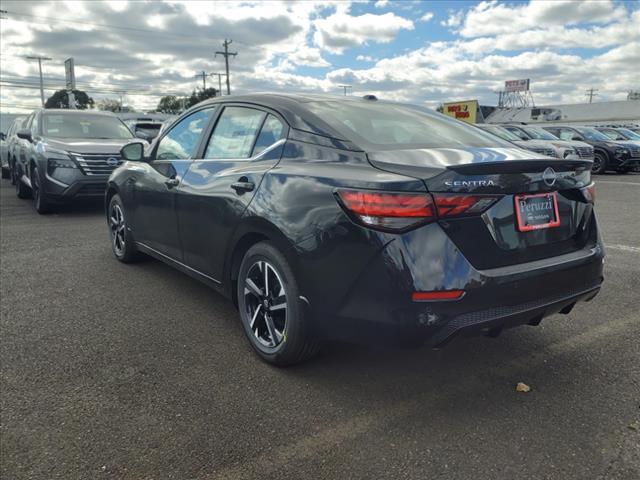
(61, 100)
(109, 104)
(170, 104)
(199, 95)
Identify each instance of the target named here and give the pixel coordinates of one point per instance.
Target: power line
(226, 54)
(103, 26)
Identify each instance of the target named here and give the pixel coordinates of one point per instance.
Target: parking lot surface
(139, 372)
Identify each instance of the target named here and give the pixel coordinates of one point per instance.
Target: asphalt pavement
(112, 371)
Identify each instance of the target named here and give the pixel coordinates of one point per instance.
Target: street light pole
(39, 58)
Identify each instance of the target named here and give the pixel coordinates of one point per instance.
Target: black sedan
(351, 218)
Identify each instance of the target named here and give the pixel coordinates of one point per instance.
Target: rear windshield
(388, 126)
(75, 125)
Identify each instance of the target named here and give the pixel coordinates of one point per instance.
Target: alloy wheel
(597, 163)
(117, 226)
(265, 304)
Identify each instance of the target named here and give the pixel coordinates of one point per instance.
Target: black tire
(12, 172)
(6, 173)
(599, 163)
(294, 342)
(40, 199)
(122, 243)
(22, 191)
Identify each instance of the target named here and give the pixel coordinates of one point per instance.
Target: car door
(154, 184)
(244, 143)
(24, 148)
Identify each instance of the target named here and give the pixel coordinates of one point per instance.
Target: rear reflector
(437, 295)
(453, 205)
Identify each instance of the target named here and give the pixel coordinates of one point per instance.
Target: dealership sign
(465, 111)
(516, 85)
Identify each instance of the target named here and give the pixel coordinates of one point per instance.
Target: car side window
(566, 134)
(235, 133)
(272, 131)
(182, 140)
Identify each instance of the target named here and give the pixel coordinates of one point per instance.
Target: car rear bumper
(379, 307)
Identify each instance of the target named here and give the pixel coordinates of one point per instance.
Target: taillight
(589, 193)
(453, 205)
(401, 211)
(437, 295)
(388, 211)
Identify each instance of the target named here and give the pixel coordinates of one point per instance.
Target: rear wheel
(122, 242)
(599, 163)
(40, 199)
(272, 313)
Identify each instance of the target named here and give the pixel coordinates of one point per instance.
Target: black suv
(608, 154)
(332, 217)
(67, 154)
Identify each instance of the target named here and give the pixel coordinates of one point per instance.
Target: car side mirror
(576, 138)
(25, 135)
(133, 152)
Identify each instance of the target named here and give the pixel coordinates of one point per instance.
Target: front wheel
(122, 242)
(40, 200)
(599, 163)
(22, 191)
(272, 313)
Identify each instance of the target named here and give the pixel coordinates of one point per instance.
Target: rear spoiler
(517, 166)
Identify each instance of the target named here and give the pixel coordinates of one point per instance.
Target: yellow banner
(465, 111)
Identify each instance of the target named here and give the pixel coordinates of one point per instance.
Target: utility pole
(39, 58)
(219, 75)
(226, 55)
(346, 87)
(204, 76)
(591, 93)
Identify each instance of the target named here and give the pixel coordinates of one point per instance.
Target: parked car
(4, 156)
(532, 145)
(326, 217)
(563, 148)
(608, 154)
(147, 129)
(67, 154)
(11, 143)
(620, 134)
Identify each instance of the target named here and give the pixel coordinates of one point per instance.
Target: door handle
(172, 182)
(241, 187)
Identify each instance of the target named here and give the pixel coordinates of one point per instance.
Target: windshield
(75, 125)
(630, 134)
(502, 133)
(593, 135)
(613, 135)
(540, 134)
(388, 126)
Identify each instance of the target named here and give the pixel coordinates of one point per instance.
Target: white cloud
(492, 17)
(365, 58)
(426, 17)
(341, 30)
(453, 20)
(381, 3)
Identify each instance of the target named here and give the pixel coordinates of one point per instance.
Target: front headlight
(61, 163)
(570, 151)
(621, 151)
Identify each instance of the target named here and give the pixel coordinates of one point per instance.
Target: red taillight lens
(392, 211)
(589, 193)
(452, 205)
(437, 295)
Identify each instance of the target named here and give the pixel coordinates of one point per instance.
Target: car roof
(293, 108)
(68, 111)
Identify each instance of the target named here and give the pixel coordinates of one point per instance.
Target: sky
(412, 51)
